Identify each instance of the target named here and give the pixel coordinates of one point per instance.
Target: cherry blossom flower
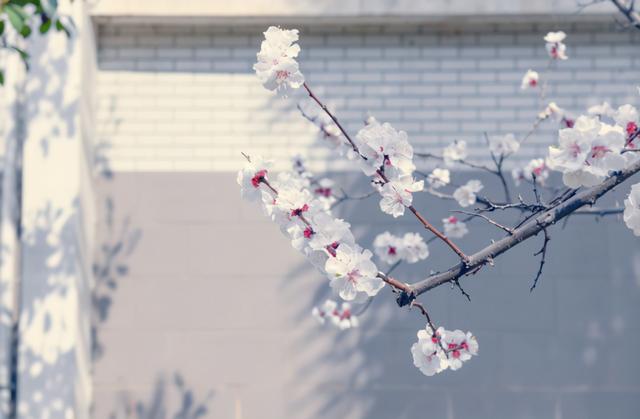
(294, 200)
(466, 194)
(324, 192)
(384, 148)
(428, 357)
(603, 109)
(251, 177)
(396, 194)
(454, 228)
(552, 110)
(631, 214)
(439, 178)
(342, 317)
(628, 118)
(587, 152)
(555, 47)
(455, 152)
(277, 68)
(325, 311)
(388, 247)
(460, 347)
(530, 80)
(351, 271)
(503, 146)
(413, 248)
(537, 167)
(329, 231)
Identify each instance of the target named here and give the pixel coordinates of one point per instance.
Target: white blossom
(439, 178)
(628, 118)
(530, 80)
(603, 109)
(413, 248)
(454, 228)
(504, 145)
(428, 357)
(324, 192)
(466, 194)
(455, 152)
(460, 347)
(587, 152)
(555, 47)
(397, 194)
(537, 167)
(552, 109)
(325, 311)
(341, 317)
(435, 352)
(388, 247)
(251, 177)
(384, 148)
(631, 214)
(328, 231)
(277, 68)
(351, 271)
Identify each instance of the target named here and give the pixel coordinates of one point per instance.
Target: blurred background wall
(200, 308)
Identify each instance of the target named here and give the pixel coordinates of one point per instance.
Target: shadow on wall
(110, 266)
(542, 354)
(188, 406)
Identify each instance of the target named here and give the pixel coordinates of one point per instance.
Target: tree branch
(528, 229)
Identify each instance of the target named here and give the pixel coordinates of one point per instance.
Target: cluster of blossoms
(325, 240)
(277, 67)
(439, 178)
(410, 248)
(455, 152)
(436, 351)
(387, 156)
(535, 167)
(340, 317)
(588, 151)
(503, 146)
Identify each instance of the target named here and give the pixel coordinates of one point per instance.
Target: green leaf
(61, 27)
(24, 55)
(15, 16)
(45, 26)
(1, 78)
(1, 27)
(26, 31)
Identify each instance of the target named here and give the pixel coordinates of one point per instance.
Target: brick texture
(185, 98)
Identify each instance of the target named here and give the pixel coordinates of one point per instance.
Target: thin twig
(543, 252)
(487, 219)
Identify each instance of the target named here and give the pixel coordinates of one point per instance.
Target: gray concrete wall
(195, 284)
(214, 294)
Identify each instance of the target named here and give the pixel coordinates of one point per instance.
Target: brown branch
(529, 229)
(628, 12)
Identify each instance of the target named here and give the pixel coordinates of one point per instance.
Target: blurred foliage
(25, 16)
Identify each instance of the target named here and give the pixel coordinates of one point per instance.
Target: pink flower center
(453, 220)
(456, 354)
(599, 151)
(632, 127)
(568, 122)
(353, 276)
(346, 314)
(574, 150)
(533, 82)
(326, 192)
(282, 74)
(392, 250)
(308, 232)
(538, 170)
(299, 211)
(258, 177)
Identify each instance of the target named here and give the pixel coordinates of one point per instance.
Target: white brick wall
(184, 98)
